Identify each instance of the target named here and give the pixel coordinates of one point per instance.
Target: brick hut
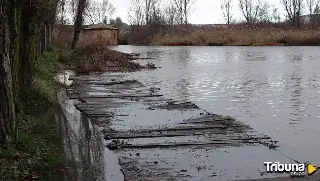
(101, 33)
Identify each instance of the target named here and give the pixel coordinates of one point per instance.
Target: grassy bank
(37, 153)
(241, 37)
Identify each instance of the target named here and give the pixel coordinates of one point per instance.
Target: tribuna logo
(295, 170)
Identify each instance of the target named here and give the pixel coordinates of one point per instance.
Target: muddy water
(275, 90)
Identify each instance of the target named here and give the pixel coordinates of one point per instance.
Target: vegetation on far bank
(97, 57)
(287, 23)
(241, 37)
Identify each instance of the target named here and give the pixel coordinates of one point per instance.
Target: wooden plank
(101, 104)
(134, 136)
(73, 96)
(169, 145)
(121, 96)
(107, 82)
(99, 115)
(140, 135)
(186, 128)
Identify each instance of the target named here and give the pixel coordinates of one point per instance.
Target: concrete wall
(107, 36)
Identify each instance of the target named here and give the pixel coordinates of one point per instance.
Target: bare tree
(275, 17)
(293, 11)
(226, 8)
(264, 13)
(67, 11)
(183, 8)
(135, 13)
(317, 9)
(78, 22)
(61, 12)
(187, 9)
(250, 10)
(179, 8)
(99, 11)
(73, 7)
(312, 5)
(149, 6)
(157, 18)
(170, 14)
(60, 17)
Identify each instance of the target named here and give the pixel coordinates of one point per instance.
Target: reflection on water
(83, 148)
(273, 89)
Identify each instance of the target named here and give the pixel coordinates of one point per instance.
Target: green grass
(45, 87)
(37, 153)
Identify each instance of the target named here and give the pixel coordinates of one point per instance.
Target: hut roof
(101, 26)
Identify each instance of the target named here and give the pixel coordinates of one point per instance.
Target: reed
(96, 56)
(241, 37)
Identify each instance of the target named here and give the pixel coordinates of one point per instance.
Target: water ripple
(273, 89)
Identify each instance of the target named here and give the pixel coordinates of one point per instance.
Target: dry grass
(91, 54)
(97, 57)
(62, 35)
(241, 37)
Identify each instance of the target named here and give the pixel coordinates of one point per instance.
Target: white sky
(205, 11)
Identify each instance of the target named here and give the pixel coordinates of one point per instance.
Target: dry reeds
(241, 37)
(97, 57)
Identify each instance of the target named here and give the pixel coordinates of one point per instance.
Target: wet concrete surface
(82, 144)
(145, 136)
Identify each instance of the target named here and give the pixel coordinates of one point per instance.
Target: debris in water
(150, 66)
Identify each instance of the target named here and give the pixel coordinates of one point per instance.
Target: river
(275, 90)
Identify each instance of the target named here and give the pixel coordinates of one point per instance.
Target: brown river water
(275, 90)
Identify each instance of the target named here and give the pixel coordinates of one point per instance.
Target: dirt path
(154, 138)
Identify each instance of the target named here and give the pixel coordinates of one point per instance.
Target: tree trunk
(48, 36)
(27, 49)
(78, 23)
(43, 29)
(7, 108)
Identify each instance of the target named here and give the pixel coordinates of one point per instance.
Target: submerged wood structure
(138, 118)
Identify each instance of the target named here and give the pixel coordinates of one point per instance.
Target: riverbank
(98, 58)
(240, 37)
(37, 153)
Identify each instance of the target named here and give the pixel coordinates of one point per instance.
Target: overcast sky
(205, 11)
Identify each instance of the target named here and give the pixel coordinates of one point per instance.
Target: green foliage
(36, 153)
(32, 156)
(46, 67)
